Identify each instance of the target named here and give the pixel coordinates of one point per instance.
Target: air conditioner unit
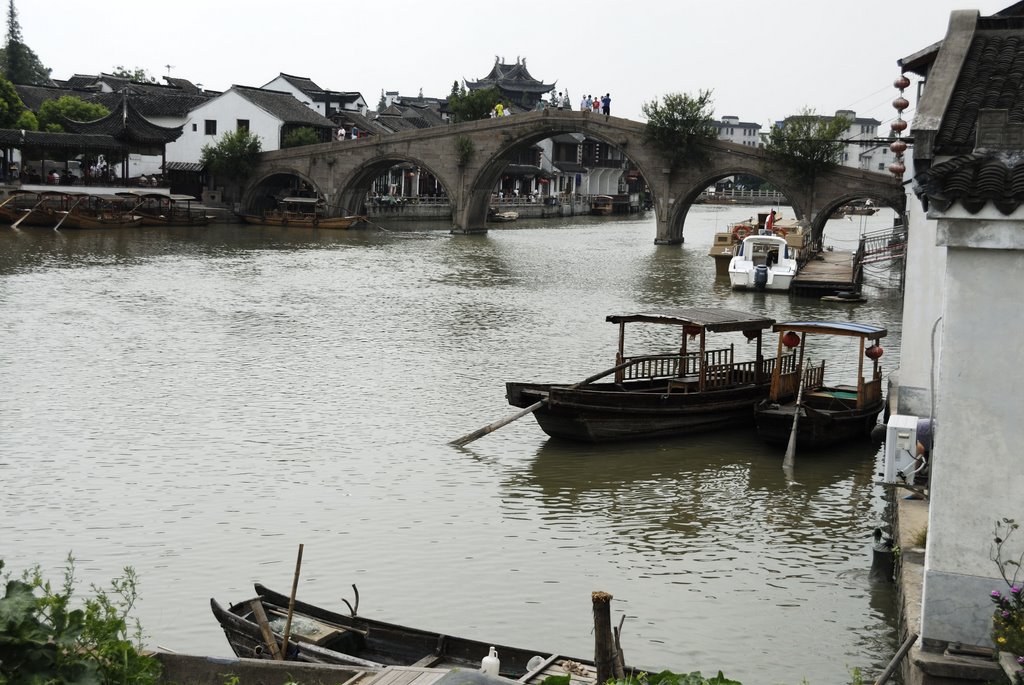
(900, 450)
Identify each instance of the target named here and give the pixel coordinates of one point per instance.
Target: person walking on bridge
(606, 105)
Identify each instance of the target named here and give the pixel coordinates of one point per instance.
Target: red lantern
(898, 146)
(897, 168)
(751, 335)
(900, 103)
(898, 126)
(691, 331)
(791, 339)
(874, 352)
(901, 82)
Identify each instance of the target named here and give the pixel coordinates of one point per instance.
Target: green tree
(27, 121)
(808, 144)
(11, 106)
(472, 105)
(679, 124)
(234, 156)
(51, 112)
(136, 75)
(18, 62)
(304, 135)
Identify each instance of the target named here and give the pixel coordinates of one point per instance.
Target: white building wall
(922, 307)
(976, 474)
(226, 109)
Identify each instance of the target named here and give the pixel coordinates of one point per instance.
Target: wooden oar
(18, 222)
(491, 427)
(788, 460)
(291, 606)
(67, 214)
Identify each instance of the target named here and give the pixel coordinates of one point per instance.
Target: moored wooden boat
(159, 209)
(601, 205)
(828, 413)
(660, 395)
(86, 210)
(495, 215)
(309, 212)
(322, 636)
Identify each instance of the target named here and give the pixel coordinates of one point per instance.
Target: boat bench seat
(684, 384)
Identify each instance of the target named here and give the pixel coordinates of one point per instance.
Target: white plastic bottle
(490, 664)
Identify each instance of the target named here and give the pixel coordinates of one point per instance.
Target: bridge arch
(481, 184)
(262, 192)
(352, 188)
(689, 193)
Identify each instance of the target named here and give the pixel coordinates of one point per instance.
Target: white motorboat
(763, 262)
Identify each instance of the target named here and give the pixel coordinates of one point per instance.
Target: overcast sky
(762, 60)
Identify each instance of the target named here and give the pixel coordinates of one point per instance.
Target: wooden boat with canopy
(825, 414)
(255, 628)
(302, 211)
(694, 387)
(88, 210)
(160, 209)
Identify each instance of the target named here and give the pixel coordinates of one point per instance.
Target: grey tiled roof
(284, 106)
(992, 77)
(76, 142)
(973, 181)
(126, 123)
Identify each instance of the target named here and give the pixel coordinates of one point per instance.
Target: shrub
(43, 639)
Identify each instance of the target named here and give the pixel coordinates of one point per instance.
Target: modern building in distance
(731, 129)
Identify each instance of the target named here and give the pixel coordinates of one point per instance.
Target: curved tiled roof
(76, 142)
(974, 181)
(511, 77)
(125, 123)
(992, 77)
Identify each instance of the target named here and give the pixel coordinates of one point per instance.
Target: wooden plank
(531, 674)
(268, 635)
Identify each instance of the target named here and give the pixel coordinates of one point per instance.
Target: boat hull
(777, 281)
(816, 427)
(604, 413)
(325, 636)
(333, 222)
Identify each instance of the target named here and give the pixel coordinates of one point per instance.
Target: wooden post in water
(604, 642)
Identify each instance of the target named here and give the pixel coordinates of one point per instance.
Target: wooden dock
(827, 273)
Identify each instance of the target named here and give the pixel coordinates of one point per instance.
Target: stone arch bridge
(343, 171)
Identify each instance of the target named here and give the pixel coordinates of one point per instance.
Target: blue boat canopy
(860, 330)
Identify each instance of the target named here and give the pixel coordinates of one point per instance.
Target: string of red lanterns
(899, 146)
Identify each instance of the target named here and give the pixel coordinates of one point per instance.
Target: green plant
(44, 640)
(464, 149)
(920, 538)
(304, 135)
(679, 124)
(234, 156)
(1008, 616)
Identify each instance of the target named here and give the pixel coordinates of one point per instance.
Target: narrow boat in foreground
(322, 636)
(308, 212)
(825, 413)
(670, 393)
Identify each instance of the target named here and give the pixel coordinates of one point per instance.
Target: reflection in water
(195, 402)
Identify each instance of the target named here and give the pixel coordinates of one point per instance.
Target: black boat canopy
(713, 319)
(859, 330)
